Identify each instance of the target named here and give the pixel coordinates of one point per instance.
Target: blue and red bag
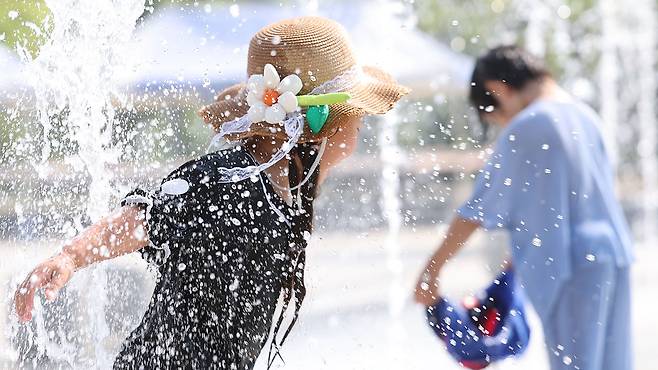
(486, 328)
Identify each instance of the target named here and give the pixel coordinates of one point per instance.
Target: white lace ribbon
(341, 83)
(293, 126)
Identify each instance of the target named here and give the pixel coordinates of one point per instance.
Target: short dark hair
(510, 64)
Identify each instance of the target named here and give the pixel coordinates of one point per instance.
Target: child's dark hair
(509, 64)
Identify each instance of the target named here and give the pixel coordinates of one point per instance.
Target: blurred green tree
(24, 24)
(543, 26)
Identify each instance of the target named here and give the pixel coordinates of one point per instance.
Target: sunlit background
(97, 97)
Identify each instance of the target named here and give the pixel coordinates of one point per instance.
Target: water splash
(73, 80)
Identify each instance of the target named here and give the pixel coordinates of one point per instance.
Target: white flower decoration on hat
(271, 98)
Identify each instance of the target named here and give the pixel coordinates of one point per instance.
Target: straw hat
(317, 50)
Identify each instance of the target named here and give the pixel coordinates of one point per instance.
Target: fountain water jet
(648, 86)
(391, 156)
(73, 79)
(607, 70)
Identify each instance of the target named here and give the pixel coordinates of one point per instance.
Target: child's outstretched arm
(115, 235)
(460, 230)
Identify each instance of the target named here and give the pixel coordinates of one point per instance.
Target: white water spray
(538, 15)
(646, 45)
(607, 74)
(391, 157)
(73, 79)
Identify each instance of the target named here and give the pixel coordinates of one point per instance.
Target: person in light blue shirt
(549, 183)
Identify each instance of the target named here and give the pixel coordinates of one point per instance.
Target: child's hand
(427, 289)
(52, 274)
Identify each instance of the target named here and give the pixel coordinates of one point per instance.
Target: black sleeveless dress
(224, 257)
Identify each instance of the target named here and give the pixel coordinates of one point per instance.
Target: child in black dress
(228, 230)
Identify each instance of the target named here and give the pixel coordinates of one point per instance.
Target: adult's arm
(427, 288)
(120, 233)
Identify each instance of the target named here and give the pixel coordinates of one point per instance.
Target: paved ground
(347, 323)
(351, 320)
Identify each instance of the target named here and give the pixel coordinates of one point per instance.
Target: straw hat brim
(375, 92)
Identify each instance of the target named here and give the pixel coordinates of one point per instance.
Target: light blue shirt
(550, 184)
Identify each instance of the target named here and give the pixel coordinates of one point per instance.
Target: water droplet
(536, 242)
(497, 6)
(563, 11)
(566, 360)
(139, 233)
(590, 257)
(234, 10)
(181, 267)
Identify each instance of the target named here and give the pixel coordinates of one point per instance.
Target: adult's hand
(51, 275)
(427, 288)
